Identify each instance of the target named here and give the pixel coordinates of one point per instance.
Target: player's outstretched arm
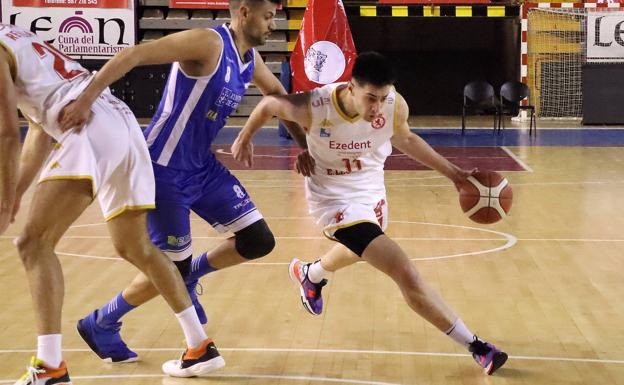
(416, 148)
(269, 85)
(201, 45)
(9, 141)
(292, 107)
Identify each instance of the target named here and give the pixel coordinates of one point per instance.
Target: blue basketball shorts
(213, 193)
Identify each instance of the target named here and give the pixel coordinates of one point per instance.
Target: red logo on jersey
(378, 123)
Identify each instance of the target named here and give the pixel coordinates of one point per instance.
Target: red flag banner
(324, 52)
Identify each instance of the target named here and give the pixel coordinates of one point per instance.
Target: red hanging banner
(324, 52)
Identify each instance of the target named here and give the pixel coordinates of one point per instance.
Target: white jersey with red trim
(349, 152)
(45, 79)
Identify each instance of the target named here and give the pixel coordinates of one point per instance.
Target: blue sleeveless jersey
(194, 109)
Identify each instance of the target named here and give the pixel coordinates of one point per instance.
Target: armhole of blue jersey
(216, 67)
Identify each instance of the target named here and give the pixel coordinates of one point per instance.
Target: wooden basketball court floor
(545, 284)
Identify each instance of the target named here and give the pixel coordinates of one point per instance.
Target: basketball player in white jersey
(107, 159)
(351, 130)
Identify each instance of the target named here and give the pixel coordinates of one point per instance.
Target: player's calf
(253, 242)
(191, 282)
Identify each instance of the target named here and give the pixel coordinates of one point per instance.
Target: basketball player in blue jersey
(211, 70)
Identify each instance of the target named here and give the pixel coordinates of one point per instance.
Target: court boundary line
(348, 351)
(229, 375)
(517, 159)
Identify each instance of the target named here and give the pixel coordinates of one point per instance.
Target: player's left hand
(461, 177)
(74, 115)
(242, 151)
(304, 164)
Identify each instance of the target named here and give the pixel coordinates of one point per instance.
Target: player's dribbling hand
(304, 164)
(461, 177)
(74, 115)
(242, 151)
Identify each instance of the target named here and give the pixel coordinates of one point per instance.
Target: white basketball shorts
(111, 152)
(335, 215)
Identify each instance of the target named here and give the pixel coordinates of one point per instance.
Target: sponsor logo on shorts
(379, 211)
(172, 240)
(241, 204)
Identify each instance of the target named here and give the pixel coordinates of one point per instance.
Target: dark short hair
(373, 68)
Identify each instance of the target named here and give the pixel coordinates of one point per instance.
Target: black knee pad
(357, 237)
(184, 266)
(254, 241)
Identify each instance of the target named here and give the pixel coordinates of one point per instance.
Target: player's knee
(34, 239)
(409, 278)
(255, 241)
(32, 245)
(139, 253)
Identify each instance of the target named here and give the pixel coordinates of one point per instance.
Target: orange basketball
(486, 197)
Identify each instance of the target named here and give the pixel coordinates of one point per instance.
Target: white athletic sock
(460, 333)
(49, 350)
(316, 273)
(193, 331)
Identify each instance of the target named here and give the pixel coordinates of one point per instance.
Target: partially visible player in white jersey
(351, 130)
(107, 159)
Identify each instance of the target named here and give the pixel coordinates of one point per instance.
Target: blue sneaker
(310, 292)
(105, 342)
(487, 355)
(191, 286)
